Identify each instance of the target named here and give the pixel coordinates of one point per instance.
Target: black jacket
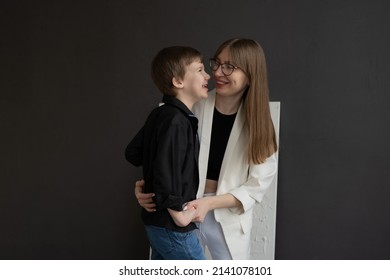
(167, 147)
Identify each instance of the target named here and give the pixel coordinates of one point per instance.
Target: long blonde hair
(248, 55)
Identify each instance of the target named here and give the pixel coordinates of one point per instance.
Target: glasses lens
(227, 69)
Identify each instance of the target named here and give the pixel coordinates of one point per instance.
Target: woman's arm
(241, 198)
(205, 204)
(144, 199)
(259, 179)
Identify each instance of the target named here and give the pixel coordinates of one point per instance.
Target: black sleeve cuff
(170, 201)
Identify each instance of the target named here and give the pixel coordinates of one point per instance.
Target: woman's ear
(177, 83)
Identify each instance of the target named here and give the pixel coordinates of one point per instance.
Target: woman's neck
(227, 105)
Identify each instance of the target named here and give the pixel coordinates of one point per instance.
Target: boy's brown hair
(172, 62)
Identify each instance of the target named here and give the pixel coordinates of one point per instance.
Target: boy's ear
(178, 83)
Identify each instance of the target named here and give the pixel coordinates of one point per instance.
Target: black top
(167, 147)
(222, 126)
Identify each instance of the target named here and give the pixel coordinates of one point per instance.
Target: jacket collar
(173, 101)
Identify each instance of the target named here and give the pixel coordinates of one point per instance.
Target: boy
(167, 147)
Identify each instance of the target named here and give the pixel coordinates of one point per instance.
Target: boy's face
(195, 81)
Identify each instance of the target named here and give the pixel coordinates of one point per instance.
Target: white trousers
(211, 236)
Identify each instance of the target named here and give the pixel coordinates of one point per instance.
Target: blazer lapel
(205, 123)
(238, 126)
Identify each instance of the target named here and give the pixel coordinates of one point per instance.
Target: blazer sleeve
(260, 178)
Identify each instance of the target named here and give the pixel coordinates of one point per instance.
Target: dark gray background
(75, 87)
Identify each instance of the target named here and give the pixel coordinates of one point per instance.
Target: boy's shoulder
(168, 113)
(164, 109)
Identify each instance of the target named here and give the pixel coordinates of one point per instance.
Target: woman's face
(235, 83)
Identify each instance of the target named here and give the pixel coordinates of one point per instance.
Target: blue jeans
(172, 245)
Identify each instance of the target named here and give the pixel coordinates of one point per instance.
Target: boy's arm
(171, 153)
(183, 218)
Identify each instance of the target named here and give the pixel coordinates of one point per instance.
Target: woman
(237, 160)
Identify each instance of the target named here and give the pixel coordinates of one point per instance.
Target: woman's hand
(202, 205)
(144, 199)
(207, 203)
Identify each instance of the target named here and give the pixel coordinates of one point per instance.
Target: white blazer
(247, 182)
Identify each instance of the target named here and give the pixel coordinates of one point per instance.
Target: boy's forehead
(196, 59)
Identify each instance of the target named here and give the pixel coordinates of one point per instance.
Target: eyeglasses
(226, 68)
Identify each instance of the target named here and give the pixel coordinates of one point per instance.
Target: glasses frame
(223, 69)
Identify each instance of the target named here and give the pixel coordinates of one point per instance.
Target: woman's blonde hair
(249, 56)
